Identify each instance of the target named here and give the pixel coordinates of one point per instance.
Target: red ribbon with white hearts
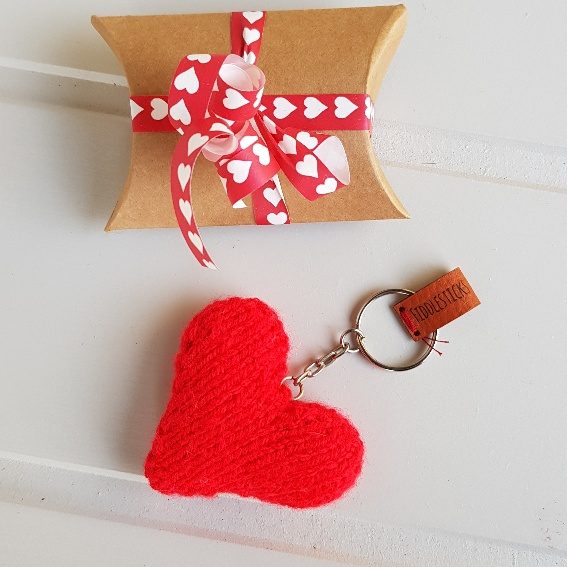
(216, 103)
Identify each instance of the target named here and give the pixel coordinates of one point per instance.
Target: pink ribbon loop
(216, 103)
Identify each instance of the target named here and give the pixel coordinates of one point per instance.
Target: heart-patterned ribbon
(216, 103)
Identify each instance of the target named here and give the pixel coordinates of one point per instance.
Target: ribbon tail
(246, 30)
(268, 204)
(182, 166)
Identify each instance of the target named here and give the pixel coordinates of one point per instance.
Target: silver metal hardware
(322, 362)
(352, 341)
(429, 342)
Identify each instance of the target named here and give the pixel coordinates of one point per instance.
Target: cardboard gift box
(303, 52)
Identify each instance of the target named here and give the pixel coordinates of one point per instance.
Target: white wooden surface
(466, 459)
(45, 537)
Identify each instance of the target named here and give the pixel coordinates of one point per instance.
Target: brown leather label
(437, 304)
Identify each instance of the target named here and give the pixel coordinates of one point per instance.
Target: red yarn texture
(231, 427)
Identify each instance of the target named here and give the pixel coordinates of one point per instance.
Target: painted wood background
(466, 460)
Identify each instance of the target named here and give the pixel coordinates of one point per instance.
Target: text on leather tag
(437, 304)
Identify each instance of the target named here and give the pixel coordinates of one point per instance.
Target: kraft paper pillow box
(303, 52)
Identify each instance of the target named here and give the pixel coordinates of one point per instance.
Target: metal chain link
(324, 361)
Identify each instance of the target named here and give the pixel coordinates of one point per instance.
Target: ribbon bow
(216, 103)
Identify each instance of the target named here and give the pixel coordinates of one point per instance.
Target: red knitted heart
(230, 426)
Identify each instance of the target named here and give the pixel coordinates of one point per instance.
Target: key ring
(345, 346)
(360, 337)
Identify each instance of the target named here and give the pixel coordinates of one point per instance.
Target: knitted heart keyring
(230, 426)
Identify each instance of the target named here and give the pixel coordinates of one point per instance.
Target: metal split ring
(364, 351)
(345, 345)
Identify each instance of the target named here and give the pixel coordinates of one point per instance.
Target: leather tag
(437, 304)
